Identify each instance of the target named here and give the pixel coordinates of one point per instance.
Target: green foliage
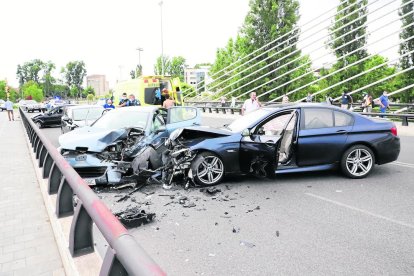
(90, 97)
(137, 72)
(89, 91)
(190, 90)
(3, 90)
(158, 65)
(48, 79)
(200, 65)
(341, 29)
(74, 72)
(268, 21)
(29, 71)
(407, 61)
(32, 90)
(173, 67)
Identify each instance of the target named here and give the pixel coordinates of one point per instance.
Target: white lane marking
(402, 164)
(361, 211)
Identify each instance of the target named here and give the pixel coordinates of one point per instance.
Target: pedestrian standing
(223, 101)
(251, 104)
(309, 98)
(368, 102)
(233, 102)
(346, 100)
(109, 104)
(329, 99)
(123, 100)
(285, 99)
(384, 103)
(132, 101)
(168, 102)
(9, 108)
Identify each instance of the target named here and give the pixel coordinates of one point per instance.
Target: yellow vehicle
(148, 89)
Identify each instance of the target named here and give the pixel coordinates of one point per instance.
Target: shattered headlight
(175, 134)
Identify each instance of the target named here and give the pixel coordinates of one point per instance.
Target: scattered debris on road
(134, 216)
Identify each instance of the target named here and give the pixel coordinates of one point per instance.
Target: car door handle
(341, 131)
(270, 143)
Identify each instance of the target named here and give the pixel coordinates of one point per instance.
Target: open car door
(182, 116)
(263, 147)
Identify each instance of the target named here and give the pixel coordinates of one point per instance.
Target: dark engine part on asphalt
(134, 217)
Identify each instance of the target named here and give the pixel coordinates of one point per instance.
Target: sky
(106, 33)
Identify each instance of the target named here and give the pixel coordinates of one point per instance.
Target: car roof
(300, 105)
(72, 107)
(137, 108)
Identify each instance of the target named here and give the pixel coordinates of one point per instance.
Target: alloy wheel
(359, 162)
(210, 170)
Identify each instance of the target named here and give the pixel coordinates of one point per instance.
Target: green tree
(90, 97)
(32, 90)
(343, 31)
(47, 79)
(3, 95)
(29, 71)
(176, 68)
(74, 73)
(272, 23)
(348, 25)
(89, 90)
(158, 65)
(406, 47)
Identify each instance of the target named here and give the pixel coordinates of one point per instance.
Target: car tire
(357, 161)
(39, 124)
(208, 169)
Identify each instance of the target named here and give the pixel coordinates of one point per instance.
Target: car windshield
(87, 114)
(247, 120)
(124, 119)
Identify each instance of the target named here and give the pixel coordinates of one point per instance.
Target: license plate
(81, 157)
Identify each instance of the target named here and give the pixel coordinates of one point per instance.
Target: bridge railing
(214, 107)
(124, 255)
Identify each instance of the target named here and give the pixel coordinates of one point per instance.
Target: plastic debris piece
(247, 244)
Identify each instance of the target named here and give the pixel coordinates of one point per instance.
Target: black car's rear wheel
(358, 161)
(208, 169)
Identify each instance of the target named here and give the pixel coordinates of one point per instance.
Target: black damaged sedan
(286, 139)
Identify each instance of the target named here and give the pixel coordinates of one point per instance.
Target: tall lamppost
(162, 41)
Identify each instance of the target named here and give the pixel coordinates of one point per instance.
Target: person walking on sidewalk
(384, 103)
(9, 108)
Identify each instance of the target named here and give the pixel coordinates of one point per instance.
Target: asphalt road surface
(314, 224)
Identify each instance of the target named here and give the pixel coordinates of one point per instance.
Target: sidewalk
(27, 243)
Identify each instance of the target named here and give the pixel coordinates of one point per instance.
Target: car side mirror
(65, 118)
(245, 132)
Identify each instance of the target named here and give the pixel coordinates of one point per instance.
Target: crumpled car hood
(95, 139)
(210, 130)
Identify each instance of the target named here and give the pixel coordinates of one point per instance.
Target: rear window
(318, 118)
(342, 119)
(87, 114)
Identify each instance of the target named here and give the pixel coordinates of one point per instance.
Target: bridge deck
(27, 243)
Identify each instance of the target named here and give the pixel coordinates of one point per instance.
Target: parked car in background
(287, 139)
(105, 151)
(51, 118)
(2, 105)
(80, 116)
(31, 106)
(54, 103)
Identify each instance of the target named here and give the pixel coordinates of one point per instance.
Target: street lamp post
(162, 42)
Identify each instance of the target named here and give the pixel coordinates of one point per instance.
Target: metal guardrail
(234, 110)
(124, 255)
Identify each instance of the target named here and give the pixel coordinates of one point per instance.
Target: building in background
(195, 76)
(98, 83)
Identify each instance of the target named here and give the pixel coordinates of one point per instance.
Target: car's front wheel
(208, 169)
(357, 161)
(39, 124)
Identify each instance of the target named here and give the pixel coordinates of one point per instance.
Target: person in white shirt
(9, 108)
(251, 104)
